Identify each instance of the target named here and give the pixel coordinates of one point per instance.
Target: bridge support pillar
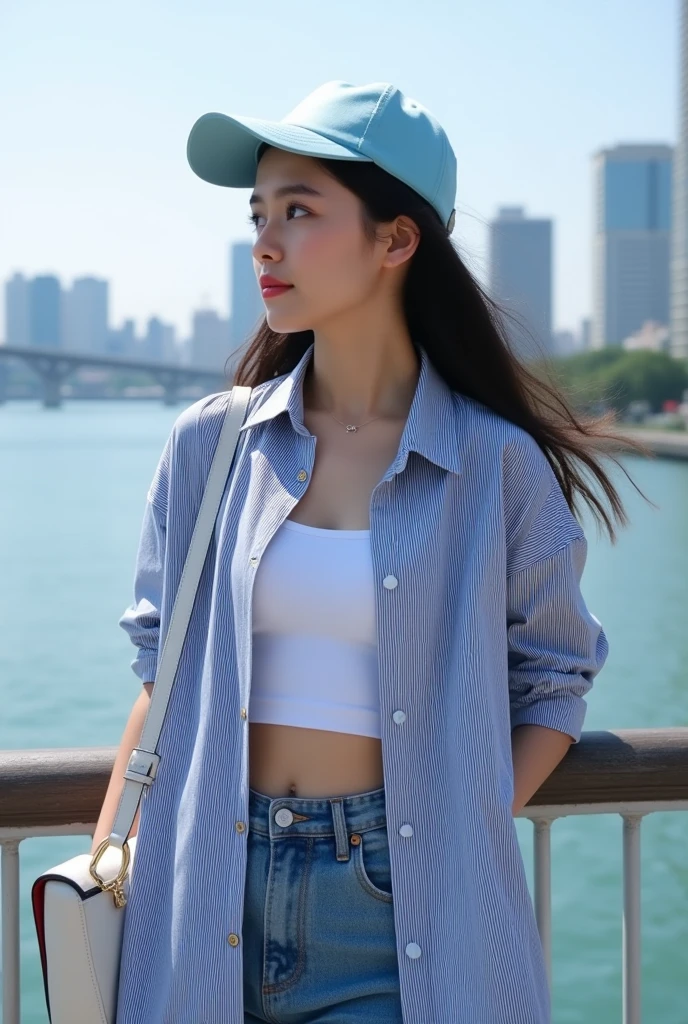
(52, 392)
(52, 372)
(171, 382)
(171, 394)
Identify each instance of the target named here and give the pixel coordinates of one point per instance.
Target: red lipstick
(271, 287)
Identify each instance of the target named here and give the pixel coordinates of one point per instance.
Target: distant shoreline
(669, 444)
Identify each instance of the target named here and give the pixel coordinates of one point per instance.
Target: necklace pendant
(350, 429)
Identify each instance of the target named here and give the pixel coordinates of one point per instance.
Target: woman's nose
(266, 246)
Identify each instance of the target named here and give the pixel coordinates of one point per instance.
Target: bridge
(53, 366)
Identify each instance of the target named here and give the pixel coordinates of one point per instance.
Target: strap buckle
(142, 766)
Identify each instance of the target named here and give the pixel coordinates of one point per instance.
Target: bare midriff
(288, 761)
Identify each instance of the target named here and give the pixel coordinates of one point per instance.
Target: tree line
(613, 377)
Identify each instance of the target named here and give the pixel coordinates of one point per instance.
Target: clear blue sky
(98, 101)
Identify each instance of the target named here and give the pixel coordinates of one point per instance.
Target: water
(73, 490)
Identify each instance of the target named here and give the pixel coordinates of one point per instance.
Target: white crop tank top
(314, 642)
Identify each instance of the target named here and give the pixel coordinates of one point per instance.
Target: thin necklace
(350, 428)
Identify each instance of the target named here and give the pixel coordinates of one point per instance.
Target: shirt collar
(432, 428)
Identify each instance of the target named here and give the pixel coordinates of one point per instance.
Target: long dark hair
(463, 331)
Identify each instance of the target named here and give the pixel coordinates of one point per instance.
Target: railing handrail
(629, 772)
(62, 786)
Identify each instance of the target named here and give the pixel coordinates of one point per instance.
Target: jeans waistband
(338, 816)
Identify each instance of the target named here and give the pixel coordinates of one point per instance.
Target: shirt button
(253, 560)
(243, 713)
(413, 950)
(399, 717)
(233, 939)
(390, 582)
(284, 817)
(240, 826)
(406, 831)
(302, 475)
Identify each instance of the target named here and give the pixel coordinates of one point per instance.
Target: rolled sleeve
(556, 646)
(141, 620)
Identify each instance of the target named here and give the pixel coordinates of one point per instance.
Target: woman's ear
(401, 239)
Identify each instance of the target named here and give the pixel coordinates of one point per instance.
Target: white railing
(637, 762)
(632, 814)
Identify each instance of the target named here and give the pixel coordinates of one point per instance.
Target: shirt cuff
(563, 712)
(145, 665)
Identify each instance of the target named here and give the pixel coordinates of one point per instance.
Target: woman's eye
(293, 206)
(254, 218)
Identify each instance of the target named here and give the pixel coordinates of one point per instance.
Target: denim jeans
(318, 932)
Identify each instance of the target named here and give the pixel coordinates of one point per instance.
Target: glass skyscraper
(245, 301)
(85, 315)
(45, 312)
(678, 335)
(521, 278)
(632, 240)
(17, 327)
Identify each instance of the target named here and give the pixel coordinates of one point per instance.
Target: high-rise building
(209, 345)
(45, 312)
(521, 278)
(159, 344)
(245, 301)
(85, 316)
(122, 341)
(678, 335)
(170, 347)
(631, 246)
(585, 333)
(564, 343)
(17, 310)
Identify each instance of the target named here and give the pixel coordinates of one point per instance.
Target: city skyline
(121, 203)
(633, 211)
(41, 312)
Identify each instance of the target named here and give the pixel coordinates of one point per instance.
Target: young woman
(389, 651)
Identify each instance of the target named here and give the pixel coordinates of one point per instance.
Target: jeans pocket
(371, 861)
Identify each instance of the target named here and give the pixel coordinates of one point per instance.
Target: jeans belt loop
(340, 835)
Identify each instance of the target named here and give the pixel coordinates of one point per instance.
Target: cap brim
(223, 149)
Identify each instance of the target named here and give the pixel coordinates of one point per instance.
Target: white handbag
(79, 905)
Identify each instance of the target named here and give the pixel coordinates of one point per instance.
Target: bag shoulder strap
(144, 760)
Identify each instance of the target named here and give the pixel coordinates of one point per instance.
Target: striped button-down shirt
(485, 630)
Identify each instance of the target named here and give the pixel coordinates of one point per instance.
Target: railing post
(542, 864)
(10, 931)
(631, 919)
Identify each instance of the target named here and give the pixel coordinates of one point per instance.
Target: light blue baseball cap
(374, 123)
